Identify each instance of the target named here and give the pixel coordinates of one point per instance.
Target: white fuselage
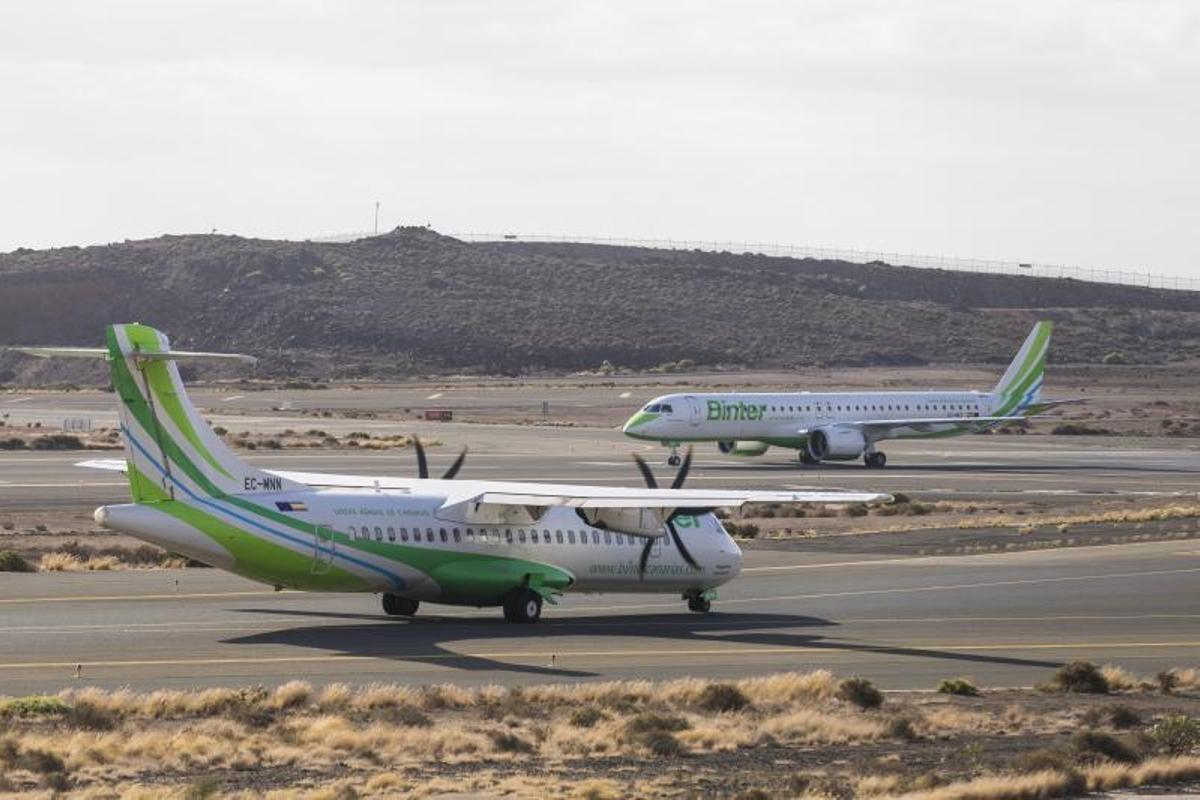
(784, 418)
(377, 536)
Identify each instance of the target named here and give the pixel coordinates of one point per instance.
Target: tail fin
(1018, 389)
(168, 445)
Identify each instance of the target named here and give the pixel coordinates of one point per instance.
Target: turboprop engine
(742, 449)
(836, 443)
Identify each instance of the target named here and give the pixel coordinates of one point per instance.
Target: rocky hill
(416, 301)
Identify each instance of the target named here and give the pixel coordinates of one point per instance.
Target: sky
(1053, 131)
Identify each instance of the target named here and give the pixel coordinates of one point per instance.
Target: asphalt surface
(1003, 620)
(963, 468)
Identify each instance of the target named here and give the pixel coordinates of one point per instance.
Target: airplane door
(324, 548)
(693, 410)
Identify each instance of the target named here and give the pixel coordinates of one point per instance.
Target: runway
(968, 467)
(1003, 620)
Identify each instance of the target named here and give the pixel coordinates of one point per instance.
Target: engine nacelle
(743, 449)
(836, 443)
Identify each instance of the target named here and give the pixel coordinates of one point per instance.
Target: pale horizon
(1058, 133)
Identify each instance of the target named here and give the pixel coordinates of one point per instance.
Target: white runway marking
(435, 396)
(232, 397)
(19, 400)
(623, 395)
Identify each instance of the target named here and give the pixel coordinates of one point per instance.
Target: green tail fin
(1021, 383)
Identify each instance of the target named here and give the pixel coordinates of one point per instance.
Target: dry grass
(630, 737)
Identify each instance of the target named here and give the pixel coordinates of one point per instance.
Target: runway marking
(19, 400)
(232, 397)
(624, 395)
(127, 597)
(956, 586)
(542, 654)
(684, 621)
(69, 484)
(435, 396)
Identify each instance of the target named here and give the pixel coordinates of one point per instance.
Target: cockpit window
(666, 408)
(659, 408)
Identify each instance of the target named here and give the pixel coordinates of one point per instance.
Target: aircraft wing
(642, 512)
(638, 511)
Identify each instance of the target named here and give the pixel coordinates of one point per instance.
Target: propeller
(423, 463)
(677, 483)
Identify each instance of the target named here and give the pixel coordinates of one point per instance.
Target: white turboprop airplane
(842, 426)
(460, 542)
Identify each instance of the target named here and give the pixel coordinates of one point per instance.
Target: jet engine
(742, 449)
(836, 443)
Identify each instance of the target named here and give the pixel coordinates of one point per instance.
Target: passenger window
(404, 534)
(521, 536)
(595, 537)
(391, 534)
(533, 536)
(457, 535)
(508, 536)
(429, 534)
(570, 536)
(558, 537)
(607, 538)
(378, 534)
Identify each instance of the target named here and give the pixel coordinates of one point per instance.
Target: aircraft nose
(638, 423)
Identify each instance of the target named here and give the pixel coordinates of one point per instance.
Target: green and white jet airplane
(460, 542)
(843, 426)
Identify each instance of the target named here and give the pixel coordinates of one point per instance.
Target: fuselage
(782, 419)
(393, 541)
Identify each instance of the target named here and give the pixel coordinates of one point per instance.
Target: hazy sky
(1062, 131)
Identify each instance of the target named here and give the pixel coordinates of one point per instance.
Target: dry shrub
(1119, 679)
(598, 789)
(790, 687)
(1104, 777)
(717, 698)
(292, 694)
(1096, 746)
(1081, 677)
(59, 562)
(871, 785)
(860, 692)
(1032, 786)
(811, 726)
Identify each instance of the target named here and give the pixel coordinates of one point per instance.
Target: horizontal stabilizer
(101, 352)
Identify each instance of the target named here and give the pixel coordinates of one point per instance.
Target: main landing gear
(522, 605)
(700, 602)
(397, 606)
(876, 459)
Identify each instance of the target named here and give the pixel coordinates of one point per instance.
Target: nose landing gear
(674, 460)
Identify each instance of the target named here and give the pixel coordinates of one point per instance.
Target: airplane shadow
(426, 639)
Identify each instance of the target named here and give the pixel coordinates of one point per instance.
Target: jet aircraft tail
(1021, 383)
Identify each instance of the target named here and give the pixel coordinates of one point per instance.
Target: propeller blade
(645, 558)
(456, 466)
(647, 475)
(683, 551)
(422, 464)
(681, 476)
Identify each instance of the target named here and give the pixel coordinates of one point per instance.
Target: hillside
(414, 300)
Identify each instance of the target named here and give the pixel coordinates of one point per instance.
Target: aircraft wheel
(673, 461)
(877, 460)
(701, 605)
(398, 606)
(522, 605)
(806, 458)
